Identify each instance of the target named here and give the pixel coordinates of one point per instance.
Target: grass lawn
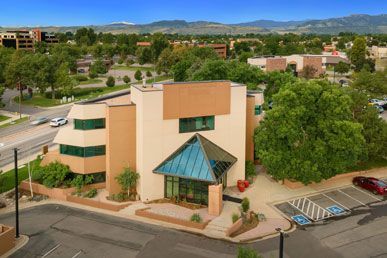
(7, 179)
(39, 100)
(3, 118)
(90, 81)
(159, 78)
(106, 90)
(132, 68)
(369, 165)
(18, 121)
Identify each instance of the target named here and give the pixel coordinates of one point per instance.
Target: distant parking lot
(328, 204)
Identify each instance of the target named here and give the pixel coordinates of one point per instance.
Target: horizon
(88, 13)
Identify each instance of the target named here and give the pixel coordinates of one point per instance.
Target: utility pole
(281, 246)
(16, 194)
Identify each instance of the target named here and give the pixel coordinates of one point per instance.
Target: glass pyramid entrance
(197, 159)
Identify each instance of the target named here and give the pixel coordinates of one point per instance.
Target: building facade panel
(275, 64)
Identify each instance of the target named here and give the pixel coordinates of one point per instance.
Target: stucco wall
(250, 125)
(120, 143)
(196, 99)
(158, 138)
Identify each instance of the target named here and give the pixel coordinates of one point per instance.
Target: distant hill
(270, 24)
(359, 23)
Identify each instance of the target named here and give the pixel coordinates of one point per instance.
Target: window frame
(191, 124)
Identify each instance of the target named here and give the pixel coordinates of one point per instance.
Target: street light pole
(281, 246)
(16, 194)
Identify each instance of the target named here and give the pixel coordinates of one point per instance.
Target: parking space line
(77, 254)
(339, 190)
(345, 207)
(50, 251)
(367, 193)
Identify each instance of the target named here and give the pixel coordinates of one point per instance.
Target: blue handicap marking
(335, 209)
(301, 220)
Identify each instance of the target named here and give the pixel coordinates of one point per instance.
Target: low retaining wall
(186, 223)
(295, 184)
(7, 238)
(96, 204)
(234, 227)
(56, 193)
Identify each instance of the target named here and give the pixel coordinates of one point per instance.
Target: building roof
(197, 159)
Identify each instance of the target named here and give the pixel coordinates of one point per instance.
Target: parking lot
(325, 205)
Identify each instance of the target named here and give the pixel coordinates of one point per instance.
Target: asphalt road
(28, 139)
(60, 231)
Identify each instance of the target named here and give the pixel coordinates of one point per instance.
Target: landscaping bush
(245, 204)
(37, 176)
(120, 61)
(128, 181)
(93, 74)
(110, 81)
(80, 181)
(249, 169)
(126, 79)
(234, 217)
(129, 62)
(80, 77)
(91, 194)
(196, 218)
(247, 253)
(54, 174)
(120, 197)
(148, 74)
(138, 75)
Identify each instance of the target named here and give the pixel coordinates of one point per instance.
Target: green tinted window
(194, 124)
(258, 109)
(89, 124)
(82, 151)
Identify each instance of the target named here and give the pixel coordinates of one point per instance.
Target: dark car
(372, 184)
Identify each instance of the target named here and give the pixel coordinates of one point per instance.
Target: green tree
(309, 135)
(148, 74)
(159, 43)
(211, 70)
(244, 56)
(85, 36)
(110, 82)
(372, 84)
(275, 81)
(144, 55)
(128, 180)
(165, 61)
(98, 67)
(63, 80)
(126, 79)
(342, 68)
(358, 53)
(138, 75)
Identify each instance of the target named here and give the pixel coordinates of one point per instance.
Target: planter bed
(186, 223)
(96, 204)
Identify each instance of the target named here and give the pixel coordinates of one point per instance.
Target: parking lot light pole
(16, 194)
(281, 246)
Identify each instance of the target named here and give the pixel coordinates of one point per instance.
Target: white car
(376, 102)
(58, 121)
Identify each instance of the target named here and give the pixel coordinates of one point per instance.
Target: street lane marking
(52, 250)
(360, 190)
(336, 202)
(339, 190)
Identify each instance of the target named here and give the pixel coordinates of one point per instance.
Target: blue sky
(86, 12)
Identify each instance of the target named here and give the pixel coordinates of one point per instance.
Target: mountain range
(358, 23)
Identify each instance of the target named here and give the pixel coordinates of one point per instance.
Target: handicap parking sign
(301, 220)
(335, 209)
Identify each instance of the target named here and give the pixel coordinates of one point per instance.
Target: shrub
(80, 77)
(196, 218)
(128, 180)
(93, 74)
(91, 194)
(138, 75)
(148, 74)
(37, 176)
(110, 81)
(126, 79)
(245, 204)
(54, 174)
(249, 169)
(80, 181)
(247, 253)
(120, 61)
(129, 62)
(234, 217)
(120, 197)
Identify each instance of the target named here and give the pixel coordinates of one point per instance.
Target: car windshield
(381, 183)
